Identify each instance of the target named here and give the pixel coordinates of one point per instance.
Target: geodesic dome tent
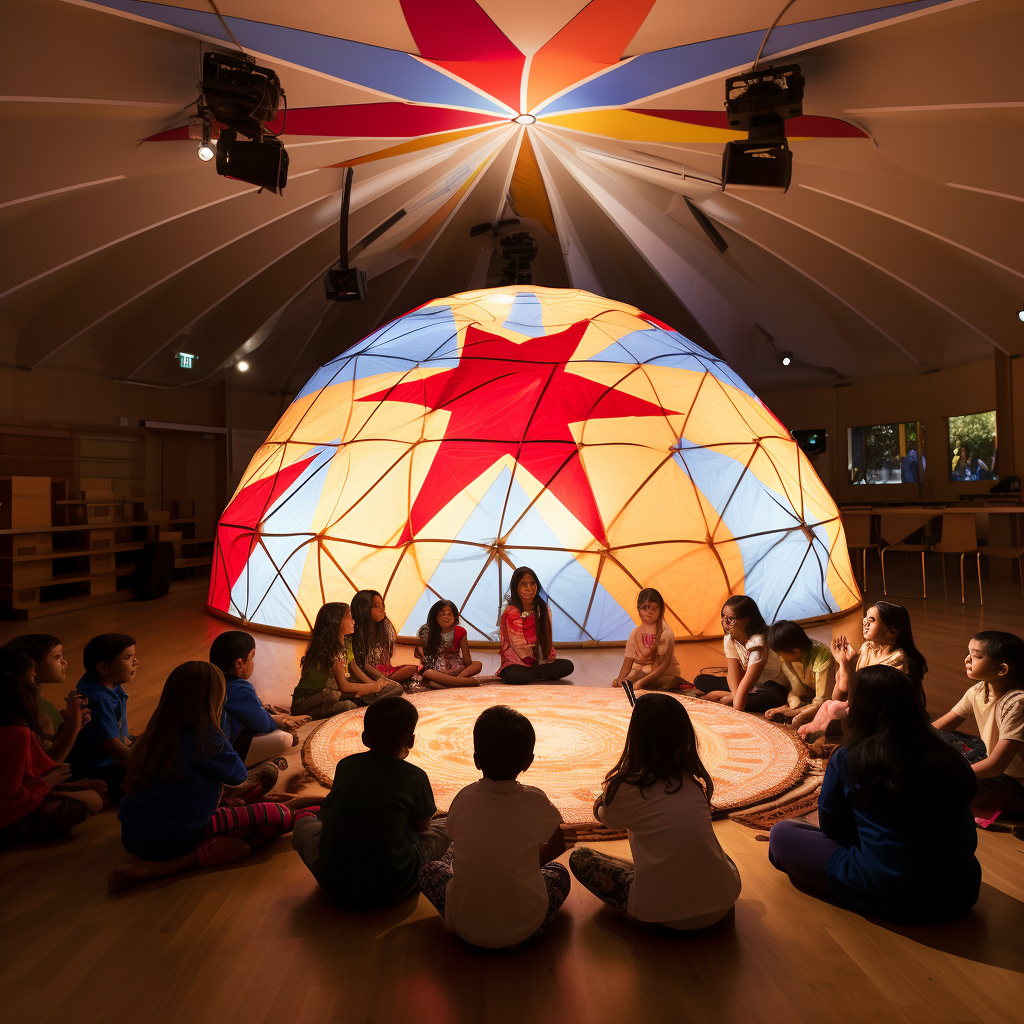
(529, 426)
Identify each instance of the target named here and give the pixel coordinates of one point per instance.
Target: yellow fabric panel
(633, 127)
(529, 197)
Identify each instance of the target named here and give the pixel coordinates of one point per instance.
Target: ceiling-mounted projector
(242, 98)
(759, 102)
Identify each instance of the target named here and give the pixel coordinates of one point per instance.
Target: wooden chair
(858, 538)
(959, 537)
(922, 548)
(1014, 554)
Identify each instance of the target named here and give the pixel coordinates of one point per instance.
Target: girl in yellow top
(888, 640)
(650, 659)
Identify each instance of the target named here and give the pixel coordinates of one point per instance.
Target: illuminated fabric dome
(529, 426)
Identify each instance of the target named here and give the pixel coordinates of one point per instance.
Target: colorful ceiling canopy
(468, 71)
(529, 426)
(894, 247)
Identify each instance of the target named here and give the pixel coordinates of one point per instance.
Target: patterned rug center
(580, 734)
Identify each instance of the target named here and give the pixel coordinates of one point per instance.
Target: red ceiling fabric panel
(368, 120)
(458, 36)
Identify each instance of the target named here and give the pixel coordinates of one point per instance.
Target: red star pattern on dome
(518, 399)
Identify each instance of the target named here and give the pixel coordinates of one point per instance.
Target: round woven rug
(580, 734)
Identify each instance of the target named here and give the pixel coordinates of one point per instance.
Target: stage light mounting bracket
(344, 283)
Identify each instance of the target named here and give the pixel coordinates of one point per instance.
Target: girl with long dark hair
(527, 653)
(178, 769)
(888, 640)
(446, 658)
(661, 792)
(896, 836)
(331, 681)
(751, 668)
(30, 806)
(373, 644)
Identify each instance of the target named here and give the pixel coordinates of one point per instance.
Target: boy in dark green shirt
(373, 832)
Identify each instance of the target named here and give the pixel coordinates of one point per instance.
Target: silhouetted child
(177, 774)
(995, 664)
(102, 747)
(660, 791)
(373, 831)
(258, 736)
(30, 806)
(806, 666)
(650, 656)
(896, 836)
(446, 658)
(499, 886)
(373, 644)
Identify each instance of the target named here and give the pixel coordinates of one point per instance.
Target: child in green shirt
(806, 666)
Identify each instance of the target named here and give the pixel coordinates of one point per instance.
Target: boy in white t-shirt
(995, 664)
(498, 884)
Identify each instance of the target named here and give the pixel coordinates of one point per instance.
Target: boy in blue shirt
(101, 749)
(257, 735)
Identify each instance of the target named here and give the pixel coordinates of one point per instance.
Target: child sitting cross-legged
(30, 805)
(650, 659)
(498, 885)
(179, 770)
(660, 791)
(806, 666)
(330, 682)
(995, 665)
(101, 748)
(373, 831)
(373, 644)
(896, 838)
(445, 652)
(258, 736)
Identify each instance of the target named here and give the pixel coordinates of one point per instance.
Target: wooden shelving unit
(82, 552)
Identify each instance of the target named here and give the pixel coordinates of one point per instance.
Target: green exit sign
(185, 360)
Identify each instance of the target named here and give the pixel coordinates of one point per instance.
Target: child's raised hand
(843, 650)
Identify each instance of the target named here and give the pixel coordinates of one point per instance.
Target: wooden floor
(257, 942)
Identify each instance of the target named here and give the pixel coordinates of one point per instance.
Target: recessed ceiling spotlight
(242, 365)
(525, 119)
(786, 358)
(1020, 314)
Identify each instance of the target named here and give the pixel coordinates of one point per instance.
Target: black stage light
(757, 166)
(239, 93)
(761, 98)
(345, 284)
(759, 103)
(259, 163)
(242, 98)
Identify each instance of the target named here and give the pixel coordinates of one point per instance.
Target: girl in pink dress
(527, 653)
